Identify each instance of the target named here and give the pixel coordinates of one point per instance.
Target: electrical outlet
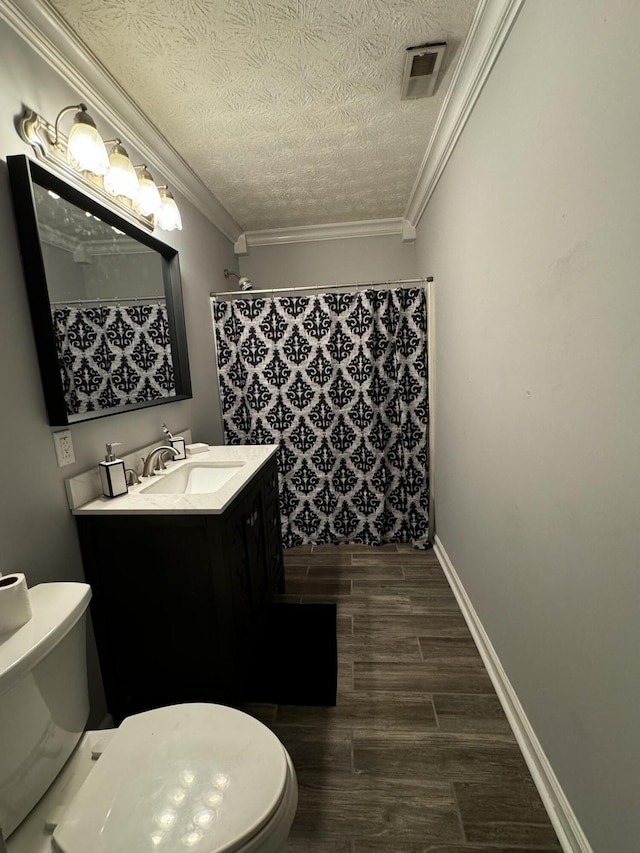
(64, 448)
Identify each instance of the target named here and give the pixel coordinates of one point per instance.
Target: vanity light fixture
(121, 179)
(86, 151)
(149, 201)
(168, 217)
(82, 157)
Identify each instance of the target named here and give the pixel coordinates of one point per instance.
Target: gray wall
(65, 278)
(532, 236)
(104, 277)
(327, 262)
(136, 274)
(37, 530)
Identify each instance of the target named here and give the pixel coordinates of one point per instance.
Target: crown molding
(38, 23)
(46, 32)
(328, 231)
(490, 27)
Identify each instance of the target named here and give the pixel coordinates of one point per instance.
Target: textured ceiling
(289, 110)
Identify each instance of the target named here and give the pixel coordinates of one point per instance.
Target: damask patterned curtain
(111, 355)
(339, 381)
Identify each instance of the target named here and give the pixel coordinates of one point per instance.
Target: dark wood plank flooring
(417, 756)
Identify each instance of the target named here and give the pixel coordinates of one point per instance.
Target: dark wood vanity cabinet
(178, 600)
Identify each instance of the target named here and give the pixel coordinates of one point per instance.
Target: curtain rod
(268, 291)
(112, 299)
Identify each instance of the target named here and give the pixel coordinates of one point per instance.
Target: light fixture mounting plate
(40, 135)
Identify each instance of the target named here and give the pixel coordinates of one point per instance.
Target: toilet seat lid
(187, 777)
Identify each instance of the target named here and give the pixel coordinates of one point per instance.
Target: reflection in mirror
(113, 349)
(113, 301)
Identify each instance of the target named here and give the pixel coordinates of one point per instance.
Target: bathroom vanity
(182, 576)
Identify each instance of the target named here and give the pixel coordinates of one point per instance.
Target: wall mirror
(105, 300)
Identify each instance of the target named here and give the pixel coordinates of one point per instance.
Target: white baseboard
(565, 823)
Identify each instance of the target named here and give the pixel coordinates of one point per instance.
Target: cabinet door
(258, 558)
(238, 563)
(247, 557)
(273, 544)
(153, 610)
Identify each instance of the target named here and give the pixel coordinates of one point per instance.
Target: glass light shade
(149, 201)
(85, 148)
(121, 179)
(168, 217)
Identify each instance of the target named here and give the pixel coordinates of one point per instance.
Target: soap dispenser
(112, 474)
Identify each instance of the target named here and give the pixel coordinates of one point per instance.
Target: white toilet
(195, 777)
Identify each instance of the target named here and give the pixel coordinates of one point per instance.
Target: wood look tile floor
(417, 756)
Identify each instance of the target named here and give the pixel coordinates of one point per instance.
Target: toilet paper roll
(15, 607)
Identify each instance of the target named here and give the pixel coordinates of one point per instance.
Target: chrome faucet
(149, 464)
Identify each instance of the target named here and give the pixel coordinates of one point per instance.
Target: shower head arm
(243, 281)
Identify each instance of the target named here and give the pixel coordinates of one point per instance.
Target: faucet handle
(132, 476)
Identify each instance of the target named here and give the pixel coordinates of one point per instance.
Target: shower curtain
(339, 382)
(110, 355)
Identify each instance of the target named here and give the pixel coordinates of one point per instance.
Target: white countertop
(137, 502)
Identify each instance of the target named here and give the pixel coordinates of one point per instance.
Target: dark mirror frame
(23, 173)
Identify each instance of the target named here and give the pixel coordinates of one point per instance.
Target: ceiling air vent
(421, 69)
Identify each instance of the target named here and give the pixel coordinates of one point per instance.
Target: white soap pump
(112, 474)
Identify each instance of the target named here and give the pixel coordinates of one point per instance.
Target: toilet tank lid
(55, 607)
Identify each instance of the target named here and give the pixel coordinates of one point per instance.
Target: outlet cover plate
(64, 447)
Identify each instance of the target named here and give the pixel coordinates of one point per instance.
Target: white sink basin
(194, 478)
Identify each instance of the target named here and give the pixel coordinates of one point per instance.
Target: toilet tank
(44, 702)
